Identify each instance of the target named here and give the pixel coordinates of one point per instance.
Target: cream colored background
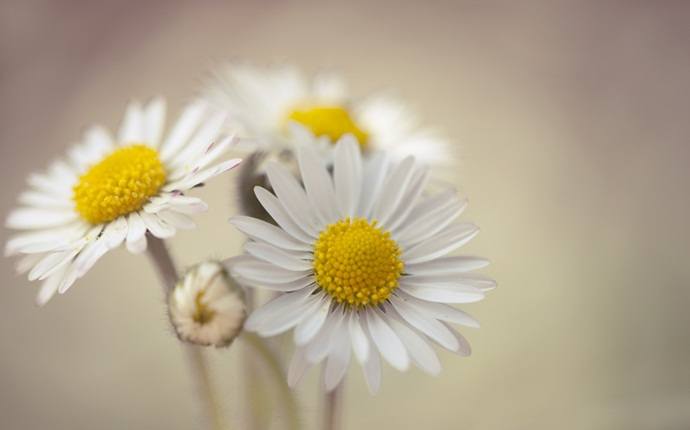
(571, 119)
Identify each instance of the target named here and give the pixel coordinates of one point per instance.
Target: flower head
(281, 109)
(360, 261)
(206, 307)
(112, 190)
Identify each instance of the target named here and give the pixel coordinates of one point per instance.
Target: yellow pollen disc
(119, 184)
(356, 262)
(331, 121)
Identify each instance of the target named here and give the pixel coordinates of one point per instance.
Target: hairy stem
(278, 375)
(167, 273)
(332, 407)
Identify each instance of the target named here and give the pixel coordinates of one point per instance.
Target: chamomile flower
(281, 109)
(112, 190)
(360, 263)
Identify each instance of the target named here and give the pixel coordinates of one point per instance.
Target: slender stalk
(276, 370)
(252, 382)
(333, 407)
(167, 273)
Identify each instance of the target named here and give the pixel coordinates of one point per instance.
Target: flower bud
(206, 307)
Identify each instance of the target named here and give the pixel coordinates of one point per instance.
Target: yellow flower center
(331, 121)
(356, 262)
(119, 184)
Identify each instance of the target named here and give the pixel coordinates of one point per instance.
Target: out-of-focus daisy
(206, 307)
(360, 264)
(112, 190)
(282, 109)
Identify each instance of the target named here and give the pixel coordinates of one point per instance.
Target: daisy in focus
(114, 190)
(281, 109)
(360, 263)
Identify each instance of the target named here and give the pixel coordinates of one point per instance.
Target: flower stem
(333, 406)
(276, 370)
(167, 273)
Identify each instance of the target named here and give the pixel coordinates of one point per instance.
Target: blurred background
(573, 128)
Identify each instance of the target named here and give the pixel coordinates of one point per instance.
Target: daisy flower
(112, 190)
(360, 264)
(282, 109)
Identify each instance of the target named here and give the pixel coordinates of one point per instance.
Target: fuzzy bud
(206, 307)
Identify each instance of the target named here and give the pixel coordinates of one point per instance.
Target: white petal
(464, 281)
(288, 316)
(338, 359)
(137, 246)
(268, 233)
(442, 293)
(446, 266)
(278, 285)
(427, 325)
(441, 311)
(372, 372)
(276, 256)
(154, 121)
(409, 199)
(310, 326)
(420, 351)
(393, 190)
(187, 205)
(50, 263)
(45, 240)
(135, 233)
(446, 241)
(30, 218)
(292, 197)
(132, 128)
(298, 367)
(277, 211)
(387, 342)
(320, 346)
(194, 149)
(157, 226)
(50, 287)
(426, 226)
(275, 306)
(360, 342)
(39, 199)
(464, 348)
(200, 177)
(214, 151)
(177, 220)
(375, 170)
(259, 271)
(183, 129)
(26, 262)
(347, 174)
(115, 232)
(318, 185)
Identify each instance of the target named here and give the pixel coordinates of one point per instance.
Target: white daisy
(115, 189)
(206, 307)
(282, 109)
(360, 264)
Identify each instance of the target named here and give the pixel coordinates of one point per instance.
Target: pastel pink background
(572, 124)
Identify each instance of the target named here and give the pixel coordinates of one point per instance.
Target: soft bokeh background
(572, 121)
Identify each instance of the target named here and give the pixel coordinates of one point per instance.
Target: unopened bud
(206, 306)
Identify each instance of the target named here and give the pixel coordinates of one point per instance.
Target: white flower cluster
(342, 227)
